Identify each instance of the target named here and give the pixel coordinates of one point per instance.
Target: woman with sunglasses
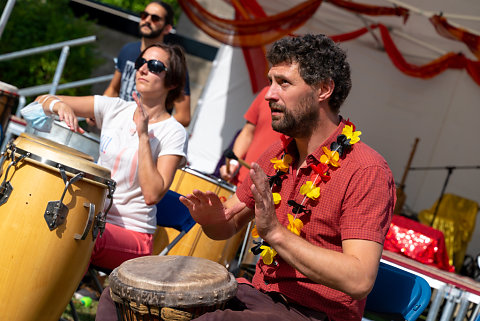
(142, 145)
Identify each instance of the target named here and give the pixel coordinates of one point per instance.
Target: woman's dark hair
(319, 60)
(176, 73)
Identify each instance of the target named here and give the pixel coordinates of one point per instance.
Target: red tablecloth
(418, 241)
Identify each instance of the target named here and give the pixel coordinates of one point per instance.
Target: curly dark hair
(176, 73)
(319, 60)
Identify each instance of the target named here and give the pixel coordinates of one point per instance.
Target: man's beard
(299, 123)
(152, 34)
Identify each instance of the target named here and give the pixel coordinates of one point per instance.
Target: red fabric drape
(254, 56)
(448, 31)
(371, 10)
(256, 29)
(253, 32)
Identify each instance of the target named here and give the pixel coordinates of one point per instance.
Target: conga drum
(8, 101)
(52, 210)
(195, 242)
(168, 288)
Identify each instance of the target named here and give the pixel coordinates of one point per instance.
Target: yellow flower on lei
(267, 254)
(330, 157)
(276, 198)
(294, 225)
(352, 135)
(282, 164)
(310, 190)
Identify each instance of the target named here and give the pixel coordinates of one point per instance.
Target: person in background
(156, 21)
(254, 138)
(141, 144)
(322, 199)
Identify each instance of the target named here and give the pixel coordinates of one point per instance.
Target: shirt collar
(314, 158)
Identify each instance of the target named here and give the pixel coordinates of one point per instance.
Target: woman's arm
(68, 108)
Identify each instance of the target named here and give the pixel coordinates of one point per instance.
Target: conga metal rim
(73, 171)
(216, 180)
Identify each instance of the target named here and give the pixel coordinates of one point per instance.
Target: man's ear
(167, 29)
(325, 90)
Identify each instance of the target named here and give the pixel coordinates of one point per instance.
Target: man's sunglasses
(144, 15)
(155, 66)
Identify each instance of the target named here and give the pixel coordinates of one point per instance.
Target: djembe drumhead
(154, 287)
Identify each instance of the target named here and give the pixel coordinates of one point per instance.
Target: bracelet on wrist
(50, 107)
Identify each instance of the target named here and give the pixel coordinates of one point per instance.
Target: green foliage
(35, 23)
(138, 5)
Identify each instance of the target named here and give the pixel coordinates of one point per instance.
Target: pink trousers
(118, 244)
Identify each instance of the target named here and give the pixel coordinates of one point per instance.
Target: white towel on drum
(35, 116)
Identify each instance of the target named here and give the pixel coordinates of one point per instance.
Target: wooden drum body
(170, 288)
(195, 242)
(51, 209)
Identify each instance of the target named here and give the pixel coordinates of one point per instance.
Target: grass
(84, 313)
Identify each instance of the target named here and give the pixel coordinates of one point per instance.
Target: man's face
(149, 28)
(293, 103)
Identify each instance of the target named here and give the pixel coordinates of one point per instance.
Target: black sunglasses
(155, 66)
(144, 15)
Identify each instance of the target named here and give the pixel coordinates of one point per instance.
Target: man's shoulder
(130, 48)
(365, 156)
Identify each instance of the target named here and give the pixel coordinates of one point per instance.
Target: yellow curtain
(456, 218)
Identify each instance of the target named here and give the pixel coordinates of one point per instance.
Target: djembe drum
(168, 288)
(52, 210)
(8, 101)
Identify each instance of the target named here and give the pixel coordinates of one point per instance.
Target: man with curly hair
(322, 237)
(322, 199)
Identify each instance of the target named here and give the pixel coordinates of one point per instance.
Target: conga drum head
(178, 282)
(55, 145)
(57, 153)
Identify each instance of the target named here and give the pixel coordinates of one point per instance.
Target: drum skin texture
(170, 287)
(41, 268)
(195, 242)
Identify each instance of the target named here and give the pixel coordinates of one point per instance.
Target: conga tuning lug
(99, 224)
(55, 214)
(5, 190)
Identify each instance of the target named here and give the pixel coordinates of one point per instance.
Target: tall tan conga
(8, 101)
(195, 242)
(52, 210)
(170, 288)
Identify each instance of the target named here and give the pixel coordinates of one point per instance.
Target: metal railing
(54, 86)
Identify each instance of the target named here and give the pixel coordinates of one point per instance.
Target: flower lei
(310, 190)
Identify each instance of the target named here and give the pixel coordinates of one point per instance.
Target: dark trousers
(248, 305)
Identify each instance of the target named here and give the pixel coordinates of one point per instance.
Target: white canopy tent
(389, 107)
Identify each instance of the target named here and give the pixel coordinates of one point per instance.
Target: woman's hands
(141, 121)
(65, 113)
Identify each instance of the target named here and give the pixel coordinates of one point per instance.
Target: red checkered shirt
(356, 203)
